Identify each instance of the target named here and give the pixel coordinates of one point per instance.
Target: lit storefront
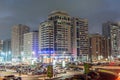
(54, 58)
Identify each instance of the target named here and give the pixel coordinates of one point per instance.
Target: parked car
(12, 77)
(61, 71)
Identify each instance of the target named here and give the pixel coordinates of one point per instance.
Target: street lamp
(32, 57)
(63, 62)
(3, 56)
(9, 56)
(22, 54)
(33, 53)
(97, 55)
(64, 55)
(6, 54)
(91, 54)
(109, 46)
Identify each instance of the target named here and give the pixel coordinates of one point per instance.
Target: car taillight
(118, 76)
(118, 79)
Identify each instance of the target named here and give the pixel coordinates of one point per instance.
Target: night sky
(33, 12)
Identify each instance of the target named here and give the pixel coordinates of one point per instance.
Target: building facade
(30, 46)
(80, 43)
(99, 49)
(1, 45)
(46, 40)
(1, 51)
(62, 31)
(112, 31)
(18, 32)
(55, 35)
(7, 50)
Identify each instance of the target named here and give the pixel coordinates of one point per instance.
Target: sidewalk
(62, 75)
(47, 78)
(54, 77)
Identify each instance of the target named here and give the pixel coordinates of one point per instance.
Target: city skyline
(32, 13)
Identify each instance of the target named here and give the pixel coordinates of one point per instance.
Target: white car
(61, 71)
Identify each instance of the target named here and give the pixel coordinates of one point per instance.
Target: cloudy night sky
(33, 12)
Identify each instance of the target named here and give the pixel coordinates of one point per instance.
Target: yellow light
(118, 78)
(118, 74)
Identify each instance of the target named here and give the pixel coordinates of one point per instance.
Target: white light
(2, 53)
(33, 52)
(118, 74)
(54, 62)
(63, 63)
(9, 52)
(118, 56)
(22, 53)
(64, 52)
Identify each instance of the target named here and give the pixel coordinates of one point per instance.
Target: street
(68, 74)
(40, 77)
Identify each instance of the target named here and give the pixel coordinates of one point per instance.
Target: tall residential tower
(31, 46)
(112, 31)
(80, 44)
(55, 35)
(18, 32)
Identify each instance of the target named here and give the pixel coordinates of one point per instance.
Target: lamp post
(91, 54)
(32, 57)
(109, 46)
(97, 55)
(3, 56)
(6, 58)
(63, 62)
(9, 56)
(22, 54)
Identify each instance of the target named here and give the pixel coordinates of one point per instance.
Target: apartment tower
(18, 32)
(80, 43)
(98, 47)
(55, 35)
(7, 49)
(31, 46)
(112, 31)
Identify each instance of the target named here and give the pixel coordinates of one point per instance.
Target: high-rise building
(105, 46)
(30, 46)
(55, 35)
(1, 45)
(18, 32)
(80, 43)
(46, 40)
(112, 31)
(98, 47)
(1, 51)
(7, 50)
(62, 31)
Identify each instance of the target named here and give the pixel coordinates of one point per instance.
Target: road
(40, 77)
(115, 69)
(111, 68)
(63, 75)
(24, 77)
